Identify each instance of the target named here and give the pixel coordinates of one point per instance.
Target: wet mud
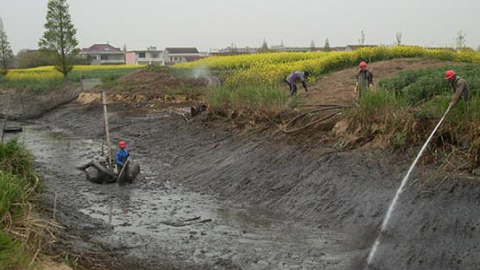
(213, 198)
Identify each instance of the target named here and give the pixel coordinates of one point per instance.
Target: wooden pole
(6, 117)
(107, 133)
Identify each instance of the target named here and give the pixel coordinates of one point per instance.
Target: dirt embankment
(312, 187)
(337, 87)
(433, 226)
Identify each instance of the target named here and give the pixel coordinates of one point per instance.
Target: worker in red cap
(364, 80)
(121, 156)
(459, 86)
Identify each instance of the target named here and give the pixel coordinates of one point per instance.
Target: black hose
(328, 107)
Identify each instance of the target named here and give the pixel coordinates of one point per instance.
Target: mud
(211, 197)
(158, 222)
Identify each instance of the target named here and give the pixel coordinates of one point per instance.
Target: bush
(419, 86)
(248, 98)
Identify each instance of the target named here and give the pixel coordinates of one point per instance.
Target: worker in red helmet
(121, 156)
(364, 79)
(459, 86)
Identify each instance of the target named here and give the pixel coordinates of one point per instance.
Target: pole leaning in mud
(107, 133)
(400, 190)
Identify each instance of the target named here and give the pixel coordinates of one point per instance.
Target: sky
(216, 24)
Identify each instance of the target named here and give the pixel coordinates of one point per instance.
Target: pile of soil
(156, 82)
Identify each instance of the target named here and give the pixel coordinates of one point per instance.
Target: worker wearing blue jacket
(121, 156)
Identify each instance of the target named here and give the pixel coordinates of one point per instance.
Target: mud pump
(102, 172)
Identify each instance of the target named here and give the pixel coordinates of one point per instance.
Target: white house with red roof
(104, 54)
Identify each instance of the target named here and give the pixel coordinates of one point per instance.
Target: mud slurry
(161, 224)
(210, 198)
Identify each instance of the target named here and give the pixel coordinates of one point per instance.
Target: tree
(264, 47)
(478, 48)
(6, 53)
(398, 38)
(361, 41)
(312, 46)
(35, 58)
(326, 47)
(60, 35)
(460, 40)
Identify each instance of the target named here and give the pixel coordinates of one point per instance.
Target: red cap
(122, 144)
(449, 74)
(362, 64)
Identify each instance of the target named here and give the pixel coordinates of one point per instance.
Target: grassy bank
(406, 108)
(23, 234)
(248, 101)
(41, 79)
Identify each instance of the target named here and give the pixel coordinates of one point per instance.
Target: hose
(327, 107)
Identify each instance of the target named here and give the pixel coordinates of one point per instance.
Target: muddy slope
(314, 189)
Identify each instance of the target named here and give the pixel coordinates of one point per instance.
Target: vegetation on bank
(252, 75)
(23, 234)
(406, 108)
(400, 114)
(47, 78)
(269, 69)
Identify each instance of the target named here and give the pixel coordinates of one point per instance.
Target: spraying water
(400, 189)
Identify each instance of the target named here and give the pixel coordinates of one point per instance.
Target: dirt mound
(153, 81)
(338, 87)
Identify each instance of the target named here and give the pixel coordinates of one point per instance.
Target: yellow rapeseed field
(49, 72)
(270, 68)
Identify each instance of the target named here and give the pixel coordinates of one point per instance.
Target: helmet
(122, 144)
(362, 64)
(449, 74)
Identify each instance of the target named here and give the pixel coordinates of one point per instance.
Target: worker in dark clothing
(292, 81)
(364, 80)
(121, 156)
(459, 86)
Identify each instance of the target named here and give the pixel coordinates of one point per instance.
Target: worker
(292, 81)
(364, 80)
(459, 86)
(121, 156)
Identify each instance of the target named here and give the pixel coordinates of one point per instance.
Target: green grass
(21, 234)
(39, 86)
(104, 74)
(32, 86)
(248, 98)
(422, 85)
(406, 108)
(11, 255)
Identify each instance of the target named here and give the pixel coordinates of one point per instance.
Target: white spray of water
(200, 72)
(400, 190)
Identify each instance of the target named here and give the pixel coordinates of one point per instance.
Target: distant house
(179, 55)
(151, 56)
(104, 54)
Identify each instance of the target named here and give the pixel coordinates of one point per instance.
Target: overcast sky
(213, 24)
